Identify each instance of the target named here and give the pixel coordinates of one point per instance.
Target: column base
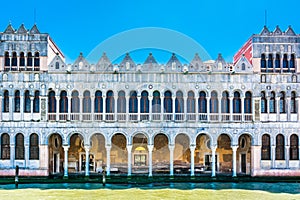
(65, 177)
(86, 177)
(193, 177)
(171, 177)
(213, 178)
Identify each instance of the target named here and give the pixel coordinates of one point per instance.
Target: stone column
(87, 160)
(104, 107)
(150, 149)
(108, 160)
(171, 148)
(196, 106)
(11, 107)
(243, 108)
(273, 154)
(69, 107)
(150, 108)
(22, 103)
(231, 108)
(298, 108)
(139, 107)
(220, 107)
(31, 106)
(277, 108)
(12, 153)
(288, 108)
(207, 108)
(234, 148)
(92, 107)
(116, 107)
(1, 108)
(26, 152)
(129, 148)
(213, 159)
(185, 108)
(57, 108)
(162, 107)
(80, 108)
(255, 159)
(287, 156)
(173, 107)
(66, 148)
(192, 149)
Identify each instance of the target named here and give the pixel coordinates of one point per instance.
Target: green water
(188, 191)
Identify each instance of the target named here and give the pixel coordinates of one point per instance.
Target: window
(243, 66)
(34, 147)
(36, 102)
(263, 103)
(156, 102)
(17, 101)
(191, 102)
(277, 63)
(133, 102)
(51, 102)
(98, 102)
(22, 60)
(86, 102)
(27, 102)
(272, 103)
(7, 60)
(110, 102)
(294, 147)
(179, 102)
(14, 61)
(248, 103)
(121, 102)
(292, 63)
(63, 102)
(36, 61)
(266, 147)
(75, 102)
(29, 61)
(144, 102)
(6, 101)
(285, 63)
(225, 102)
(237, 102)
(19, 148)
(168, 102)
(270, 63)
(202, 103)
(57, 65)
(214, 102)
(263, 62)
(282, 102)
(293, 102)
(279, 147)
(5, 147)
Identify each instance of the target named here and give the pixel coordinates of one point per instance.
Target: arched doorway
(203, 154)
(97, 153)
(76, 154)
(56, 154)
(161, 154)
(182, 154)
(225, 154)
(244, 155)
(118, 154)
(140, 154)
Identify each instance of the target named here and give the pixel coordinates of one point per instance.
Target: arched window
(110, 102)
(248, 103)
(14, 60)
(5, 147)
(121, 102)
(168, 102)
(285, 63)
(270, 63)
(19, 148)
(29, 61)
(34, 147)
(293, 102)
(98, 102)
(292, 63)
(225, 102)
(63, 102)
(214, 102)
(266, 147)
(22, 60)
(17, 101)
(27, 106)
(243, 66)
(36, 61)
(133, 102)
(156, 102)
(294, 147)
(51, 102)
(36, 102)
(279, 147)
(86, 102)
(6, 59)
(191, 102)
(282, 102)
(202, 103)
(144, 102)
(263, 62)
(57, 65)
(237, 102)
(277, 63)
(179, 102)
(263, 102)
(272, 103)
(75, 102)
(6, 101)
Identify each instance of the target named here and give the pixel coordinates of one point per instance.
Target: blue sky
(219, 26)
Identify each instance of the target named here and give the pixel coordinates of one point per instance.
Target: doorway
(243, 163)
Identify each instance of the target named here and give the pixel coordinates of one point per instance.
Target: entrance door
(243, 163)
(56, 163)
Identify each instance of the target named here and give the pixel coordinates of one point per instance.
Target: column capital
(129, 148)
(87, 148)
(192, 147)
(150, 147)
(234, 147)
(66, 147)
(171, 147)
(107, 147)
(214, 147)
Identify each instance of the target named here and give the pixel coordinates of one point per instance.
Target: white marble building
(203, 117)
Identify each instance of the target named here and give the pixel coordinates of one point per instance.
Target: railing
(144, 116)
(214, 117)
(225, 117)
(179, 117)
(110, 117)
(191, 117)
(202, 117)
(168, 116)
(248, 117)
(75, 116)
(87, 117)
(121, 117)
(237, 117)
(98, 117)
(133, 117)
(156, 116)
(63, 116)
(52, 116)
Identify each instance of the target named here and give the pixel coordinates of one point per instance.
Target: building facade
(203, 117)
